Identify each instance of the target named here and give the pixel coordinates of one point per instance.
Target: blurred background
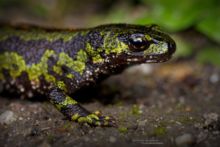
(177, 103)
(194, 24)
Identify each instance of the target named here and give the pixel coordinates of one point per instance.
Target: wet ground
(168, 104)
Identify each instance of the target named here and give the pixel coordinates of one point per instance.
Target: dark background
(169, 104)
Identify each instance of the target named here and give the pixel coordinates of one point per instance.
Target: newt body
(58, 62)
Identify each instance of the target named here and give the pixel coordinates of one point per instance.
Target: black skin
(129, 40)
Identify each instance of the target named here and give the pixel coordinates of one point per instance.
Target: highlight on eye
(138, 42)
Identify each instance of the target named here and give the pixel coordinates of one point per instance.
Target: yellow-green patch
(148, 37)
(16, 65)
(78, 65)
(41, 68)
(12, 62)
(75, 117)
(96, 58)
(68, 101)
(123, 129)
(156, 48)
(70, 76)
(113, 45)
(37, 34)
(85, 120)
(61, 85)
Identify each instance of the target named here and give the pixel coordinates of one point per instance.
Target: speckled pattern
(63, 61)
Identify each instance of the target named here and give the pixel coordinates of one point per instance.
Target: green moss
(67, 126)
(123, 130)
(50, 137)
(186, 120)
(159, 131)
(136, 110)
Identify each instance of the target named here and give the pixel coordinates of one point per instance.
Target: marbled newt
(58, 62)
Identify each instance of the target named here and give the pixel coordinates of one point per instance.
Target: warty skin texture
(57, 62)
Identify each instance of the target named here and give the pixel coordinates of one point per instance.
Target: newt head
(132, 44)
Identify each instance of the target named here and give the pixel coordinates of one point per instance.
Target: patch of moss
(50, 137)
(67, 126)
(159, 131)
(186, 120)
(123, 130)
(136, 110)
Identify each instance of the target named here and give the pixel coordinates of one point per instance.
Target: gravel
(185, 140)
(7, 117)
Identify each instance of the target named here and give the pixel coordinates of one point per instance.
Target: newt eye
(138, 42)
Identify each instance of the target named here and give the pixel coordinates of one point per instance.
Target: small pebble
(142, 68)
(210, 118)
(20, 118)
(7, 117)
(44, 144)
(87, 139)
(184, 140)
(142, 123)
(212, 122)
(112, 139)
(214, 78)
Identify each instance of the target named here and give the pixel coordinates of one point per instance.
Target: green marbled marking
(113, 45)
(61, 85)
(148, 37)
(12, 62)
(36, 70)
(77, 65)
(16, 65)
(75, 117)
(57, 69)
(70, 76)
(68, 101)
(37, 34)
(88, 119)
(96, 58)
(156, 49)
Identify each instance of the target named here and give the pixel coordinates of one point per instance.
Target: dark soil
(168, 104)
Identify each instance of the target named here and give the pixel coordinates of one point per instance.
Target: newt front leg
(75, 112)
